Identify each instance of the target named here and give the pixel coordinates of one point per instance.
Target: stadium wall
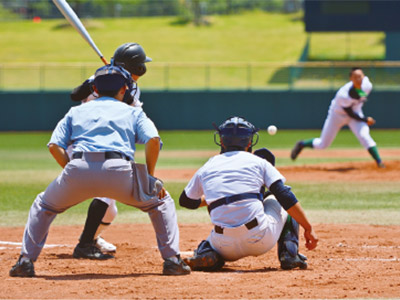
(38, 111)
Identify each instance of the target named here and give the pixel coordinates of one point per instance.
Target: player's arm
(192, 196)
(59, 154)
(190, 203)
(297, 212)
(350, 112)
(152, 150)
(61, 139)
(290, 203)
(83, 91)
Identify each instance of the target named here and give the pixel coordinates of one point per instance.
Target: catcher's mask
(111, 78)
(132, 57)
(235, 135)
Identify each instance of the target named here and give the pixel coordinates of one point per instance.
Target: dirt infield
(351, 261)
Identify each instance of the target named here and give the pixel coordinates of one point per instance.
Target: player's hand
(162, 193)
(370, 121)
(311, 239)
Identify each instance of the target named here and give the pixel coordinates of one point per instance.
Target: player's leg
(253, 238)
(161, 212)
(64, 192)
(109, 216)
(205, 258)
(362, 132)
(284, 230)
(332, 125)
(86, 248)
(164, 220)
(288, 247)
(34, 238)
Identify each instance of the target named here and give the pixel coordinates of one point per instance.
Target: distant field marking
(365, 259)
(18, 245)
(368, 246)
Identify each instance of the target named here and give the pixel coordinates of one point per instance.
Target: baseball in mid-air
(272, 129)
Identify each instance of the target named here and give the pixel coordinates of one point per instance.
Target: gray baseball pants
(93, 176)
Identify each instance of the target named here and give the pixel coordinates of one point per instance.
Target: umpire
(103, 133)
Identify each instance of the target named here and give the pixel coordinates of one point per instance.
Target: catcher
(246, 223)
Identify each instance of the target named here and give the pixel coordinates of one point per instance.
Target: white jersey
(135, 94)
(343, 100)
(228, 174)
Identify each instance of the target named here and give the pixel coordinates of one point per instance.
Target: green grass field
(26, 168)
(252, 37)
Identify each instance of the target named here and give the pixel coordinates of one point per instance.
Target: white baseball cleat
(105, 246)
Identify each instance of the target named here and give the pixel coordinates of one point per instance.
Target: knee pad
(205, 258)
(288, 247)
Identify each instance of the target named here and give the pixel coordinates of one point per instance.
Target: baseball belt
(234, 198)
(107, 155)
(250, 225)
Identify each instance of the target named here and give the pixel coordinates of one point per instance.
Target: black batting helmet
(236, 134)
(132, 57)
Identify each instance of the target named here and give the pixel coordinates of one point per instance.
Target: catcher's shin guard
(205, 258)
(288, 247)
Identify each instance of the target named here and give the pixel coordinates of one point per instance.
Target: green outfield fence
(385, 75)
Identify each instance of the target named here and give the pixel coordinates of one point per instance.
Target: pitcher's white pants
(334, 122)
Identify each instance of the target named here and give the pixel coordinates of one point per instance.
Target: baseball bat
(73, 19)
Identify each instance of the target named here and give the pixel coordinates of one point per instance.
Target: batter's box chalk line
(18, 245)
(342, 245)
(393, 259)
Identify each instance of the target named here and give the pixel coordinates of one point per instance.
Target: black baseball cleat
(296, 150)
(171, 267)
(205, 258)
(209, 261)
(23, 268)
(90, 251)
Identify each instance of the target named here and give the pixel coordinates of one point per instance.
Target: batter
(346, 109)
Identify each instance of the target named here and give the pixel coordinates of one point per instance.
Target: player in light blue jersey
(103, 134)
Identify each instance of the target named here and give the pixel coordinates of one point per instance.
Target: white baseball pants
(334, 122)
(239, 242)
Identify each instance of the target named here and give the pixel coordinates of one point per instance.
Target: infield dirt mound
(352, 261)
